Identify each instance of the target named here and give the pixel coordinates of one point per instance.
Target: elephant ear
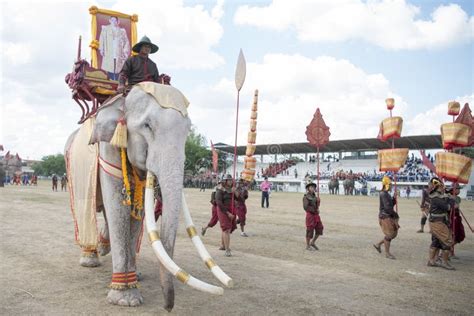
(106, 121)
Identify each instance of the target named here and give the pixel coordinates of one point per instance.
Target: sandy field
(272, 271)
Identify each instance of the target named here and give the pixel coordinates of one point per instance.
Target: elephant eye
(147, 126)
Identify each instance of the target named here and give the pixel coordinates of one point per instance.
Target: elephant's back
(69, 141)
(166, 96)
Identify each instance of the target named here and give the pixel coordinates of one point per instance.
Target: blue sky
(344, 56)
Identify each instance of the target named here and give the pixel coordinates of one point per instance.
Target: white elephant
(156, 142)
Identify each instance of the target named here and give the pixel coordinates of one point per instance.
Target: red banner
(214, 158)
(465, 117)
(427, 162)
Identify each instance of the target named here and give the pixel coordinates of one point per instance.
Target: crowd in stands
(413, 171)
(278, 168)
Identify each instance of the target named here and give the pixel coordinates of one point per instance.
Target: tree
(52, 164)
(198, 157)
(468, 151)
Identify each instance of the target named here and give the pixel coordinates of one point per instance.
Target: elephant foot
(104, 249)
(129, 297)
(89, 260)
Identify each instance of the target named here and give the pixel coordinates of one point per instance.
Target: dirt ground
(272, 271)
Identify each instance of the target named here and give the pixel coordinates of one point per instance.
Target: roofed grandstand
(288, 166)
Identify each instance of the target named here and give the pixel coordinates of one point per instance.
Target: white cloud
(186, 35)
(429, 122)
(391, 24)
(17, 53)
(35, 131)
(291, 87)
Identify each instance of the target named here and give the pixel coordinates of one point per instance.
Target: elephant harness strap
(127, 192)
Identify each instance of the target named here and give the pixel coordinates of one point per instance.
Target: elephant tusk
(203, 253)
(160, 251)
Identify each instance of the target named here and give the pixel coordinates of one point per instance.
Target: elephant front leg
(123, 286)
(136, 232)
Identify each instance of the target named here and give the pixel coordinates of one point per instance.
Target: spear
(240, 73)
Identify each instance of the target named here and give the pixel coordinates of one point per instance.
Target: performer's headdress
(310, 183)
(226, 177)
(435, 183)
(386, 182)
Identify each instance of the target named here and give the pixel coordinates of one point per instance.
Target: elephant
(333, 186)
(348, 186)
(155, 145)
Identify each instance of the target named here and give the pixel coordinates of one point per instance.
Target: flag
(465, 117)
(214, 158)
(427, 162)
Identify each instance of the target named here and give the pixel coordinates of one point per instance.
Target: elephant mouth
(166, 260)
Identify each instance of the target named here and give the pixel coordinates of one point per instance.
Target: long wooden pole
(234, 176)
(318, 171)
(394, 175)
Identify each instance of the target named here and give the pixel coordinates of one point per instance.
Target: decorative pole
(240, 73)
(79, 49)
(391, 159)
(317, 133)
(250, 161)
(390, 102)
(449, 165)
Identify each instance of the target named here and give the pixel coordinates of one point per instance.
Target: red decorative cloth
(158, 209)
(214, 218)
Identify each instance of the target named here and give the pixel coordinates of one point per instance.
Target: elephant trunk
(171, 191)
(170, 177)
(170, 174)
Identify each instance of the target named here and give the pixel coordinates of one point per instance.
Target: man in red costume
(241, 194)
(214, 219)
(225, 212)
(314, 225)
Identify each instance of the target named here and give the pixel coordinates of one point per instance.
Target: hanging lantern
(391, 128)
(453, 167)
(455, 135)
(453, 108)
(390, 102)
(392, 159)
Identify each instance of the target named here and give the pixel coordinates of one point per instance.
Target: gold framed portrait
(113, 36)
